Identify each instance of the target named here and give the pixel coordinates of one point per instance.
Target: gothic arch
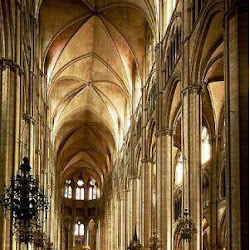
(174, 24)
(173, 102)
(6, 30)
(209, 15)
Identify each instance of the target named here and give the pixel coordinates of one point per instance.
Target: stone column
(142, 205)
(143, 163)
(134, 201)
(167, 204)
(191, 129)
(123, 223)
(237, 147)
(213, 186)
(147, 210)
(146, 178)
(159, 170)
(5, 71)
(98, 240)
(191, 145)
(10, 74)
(126, 212)
(71, 234)
(160, 182)
(138, 207)
(159, 139)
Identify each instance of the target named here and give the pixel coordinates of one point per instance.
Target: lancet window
(173, 51)
(139, 127)
(179, 171)
(68, 189)
(80, 190)
(205, 146)
(205, 191)
(79, 229)
(178, 182)
(93, 193)
(152, 100)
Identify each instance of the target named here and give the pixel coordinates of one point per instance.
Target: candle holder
(135, 243)
(186, 227)
(154, 242)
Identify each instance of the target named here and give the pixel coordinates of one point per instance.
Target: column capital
(147, 160)
(195, 88)
(7, 63)
(33, 74)
(134, 177)
(216, 137)
(231, 9)
(29, 118)
(38, 151)
(164, 132)
(18, 5)
(158, 47)
(185, 40)
(41, 73)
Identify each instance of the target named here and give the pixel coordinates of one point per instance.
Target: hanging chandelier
(48, 243)
(25, 201)
(135, 243)
(186, 227)
(154, 242)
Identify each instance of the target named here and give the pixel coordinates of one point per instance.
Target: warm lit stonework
(134, 115)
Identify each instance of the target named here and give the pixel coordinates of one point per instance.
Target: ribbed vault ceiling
(93, 51)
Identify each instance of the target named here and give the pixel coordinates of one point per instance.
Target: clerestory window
(80, 190)
(68, 189)
(205, 146)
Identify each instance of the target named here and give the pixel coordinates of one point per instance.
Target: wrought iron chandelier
(25, 201)
(154, 242)
(48, 244)
(186, 228)
(135, 243)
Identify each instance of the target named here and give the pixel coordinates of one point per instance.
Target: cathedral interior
(133, 115)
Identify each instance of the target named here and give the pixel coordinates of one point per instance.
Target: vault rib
(117, 50)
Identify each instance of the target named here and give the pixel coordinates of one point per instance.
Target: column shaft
(237, 131)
